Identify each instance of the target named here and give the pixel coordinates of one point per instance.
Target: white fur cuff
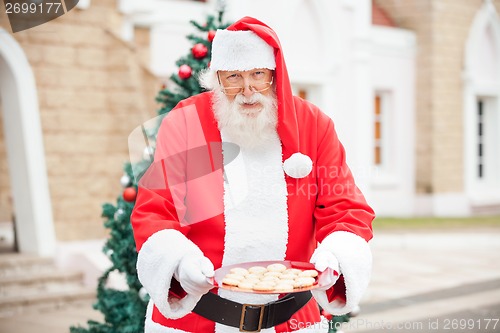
(151, 327)
(355, 261)
(156, 263)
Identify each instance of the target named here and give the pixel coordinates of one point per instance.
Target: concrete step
(14, 264)
(11, 305)
(56, 276)
(32, 284)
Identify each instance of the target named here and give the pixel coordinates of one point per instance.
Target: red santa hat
(249, 44)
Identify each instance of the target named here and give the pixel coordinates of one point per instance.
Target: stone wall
(93, 90)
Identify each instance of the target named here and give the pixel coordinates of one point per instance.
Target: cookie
(248, 285)
(234, 276)
(292, 271)
(288, 277)
(257, 270)
(270, 278)
(231, 282)
(239, 271)
(251, 280)
(276, 267)
(309, 273)
(272, 273)
(284, 287)
(263, 286)
(303, 282)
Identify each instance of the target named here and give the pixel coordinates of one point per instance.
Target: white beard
(246, 128)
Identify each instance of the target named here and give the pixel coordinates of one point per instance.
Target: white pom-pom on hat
(298, 165)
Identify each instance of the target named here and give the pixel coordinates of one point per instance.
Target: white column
(363, 96)
(26, 157)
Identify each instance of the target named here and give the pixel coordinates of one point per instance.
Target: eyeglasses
(256, 88)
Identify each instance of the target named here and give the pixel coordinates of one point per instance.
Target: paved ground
(49, 322)
(444, 281)
(437, 281)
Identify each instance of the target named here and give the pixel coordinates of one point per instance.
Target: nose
(247, 92)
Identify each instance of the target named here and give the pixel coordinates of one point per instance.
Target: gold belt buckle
(243, 312)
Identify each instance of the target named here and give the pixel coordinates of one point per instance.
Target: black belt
(250, 317)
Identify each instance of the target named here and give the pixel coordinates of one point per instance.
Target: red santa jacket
(182, 207)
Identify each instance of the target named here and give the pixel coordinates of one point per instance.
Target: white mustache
(255, 98)
(247, 127)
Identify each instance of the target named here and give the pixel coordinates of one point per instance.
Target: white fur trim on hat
(355, 260)
(240, 51)
(298, 165)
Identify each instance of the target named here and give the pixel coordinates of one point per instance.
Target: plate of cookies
(271, 277)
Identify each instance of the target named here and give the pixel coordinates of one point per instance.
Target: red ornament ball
(185, 72)
(327, 315)
(211, 35)
(199, 51)
(129, 194)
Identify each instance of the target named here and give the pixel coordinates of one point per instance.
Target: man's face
(246, 83)
(246, 107)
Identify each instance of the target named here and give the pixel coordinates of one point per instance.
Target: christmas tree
(336, 322)
(124, 310)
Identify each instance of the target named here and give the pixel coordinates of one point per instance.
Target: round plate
(323, 278)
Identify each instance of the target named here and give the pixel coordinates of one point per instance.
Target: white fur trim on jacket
(151, 327)
(355, 261)
(156, 263)
(255, 214)
(240, 51)
(256, 223)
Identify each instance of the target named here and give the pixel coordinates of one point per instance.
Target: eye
(233, 77)
(259, 75)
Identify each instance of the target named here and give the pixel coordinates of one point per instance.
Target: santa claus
(248, 172)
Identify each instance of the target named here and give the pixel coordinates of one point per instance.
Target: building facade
(457, 152)
(413, 87)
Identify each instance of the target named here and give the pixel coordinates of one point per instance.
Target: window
(381, 130)
(302, 93)
(487, 146)
(378, 133)
(384, 133)
(480, 139)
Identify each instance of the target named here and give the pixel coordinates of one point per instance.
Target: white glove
(322, 260)
(194, 273)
